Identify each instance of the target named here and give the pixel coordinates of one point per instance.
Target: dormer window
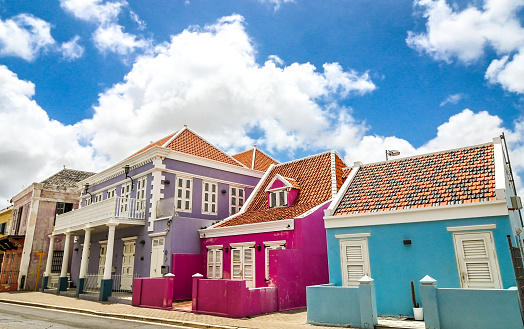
(282, 191)
(278, 198)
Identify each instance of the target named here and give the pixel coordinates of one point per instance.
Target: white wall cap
(198, 275)
(366, 280)
(427, 280)
(169, 275)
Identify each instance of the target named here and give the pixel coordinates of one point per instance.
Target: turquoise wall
(333, 306)
(393, 265)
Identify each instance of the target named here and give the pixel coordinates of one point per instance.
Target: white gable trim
(468, 210)
(329, 211)
(281, 178)
(275, 226)
(500, 177)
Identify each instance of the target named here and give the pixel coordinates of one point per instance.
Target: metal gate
(518, 267)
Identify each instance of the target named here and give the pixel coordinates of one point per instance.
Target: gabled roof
(452, 177)
(66, 178)
(287, 181)
(317, 176)
(188, 142)
(255, 159)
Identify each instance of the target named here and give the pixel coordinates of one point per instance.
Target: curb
(122, 316)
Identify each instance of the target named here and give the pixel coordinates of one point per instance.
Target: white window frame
(209, 198)
(271, 245)
(215, 261)
(141, 189)
(364, 261)
(185, 194)
(99, 197)
(111, 193)
(88, 200)
(279, 199)
(236, 200)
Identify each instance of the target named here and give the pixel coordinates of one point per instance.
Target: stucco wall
(393, 265)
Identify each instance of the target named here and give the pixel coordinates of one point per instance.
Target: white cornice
(24, 192)
(472, 228)
(279, 225)
(468, 210)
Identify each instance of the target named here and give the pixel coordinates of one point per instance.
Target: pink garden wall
(302, 263)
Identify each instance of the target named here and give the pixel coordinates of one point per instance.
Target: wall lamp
(86, 187)
(126, 171)
(259, 247)
(142, 242)
(226, 249)
(392, 153)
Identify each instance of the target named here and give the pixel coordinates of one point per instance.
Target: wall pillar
(49, 262)
(84, 262)
(63, 280)
(196, 278)
(106, 285)
(368, 305)
(428, 292)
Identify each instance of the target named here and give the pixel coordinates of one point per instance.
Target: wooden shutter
(236, 254)
(477, 262)
(354, 261)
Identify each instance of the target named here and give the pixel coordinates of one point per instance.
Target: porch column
(106, 285)
(63, 280)
(84, 261)
(49, 262)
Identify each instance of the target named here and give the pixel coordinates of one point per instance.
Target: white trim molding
(329, 210)
(242, 244)
(352, 236)
(472, 228)
(500, 177)
(216, 246)
(275, 226)
(427, 214)
(131, 238)
(275, 243)
(154, 235)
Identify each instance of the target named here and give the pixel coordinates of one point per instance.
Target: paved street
(280, 320)
(27, 317)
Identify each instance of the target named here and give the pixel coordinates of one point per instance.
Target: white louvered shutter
(354, 261)
(478, 266)
(236, 258)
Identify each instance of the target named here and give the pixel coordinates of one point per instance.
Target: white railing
(117, 208)
(122, 283)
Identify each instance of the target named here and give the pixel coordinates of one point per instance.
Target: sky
(85, 83)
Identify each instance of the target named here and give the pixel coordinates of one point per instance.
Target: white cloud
(276, 3)
(452, 99)
(109, 35)
(72, 50)
(208, 78)
(466, 34)
(34, 146)
(24, 36)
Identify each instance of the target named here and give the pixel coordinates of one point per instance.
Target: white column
(65, 259)
(109, 252)
(49, 263)
(85, 253)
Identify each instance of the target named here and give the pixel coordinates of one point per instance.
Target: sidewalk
(281, 320)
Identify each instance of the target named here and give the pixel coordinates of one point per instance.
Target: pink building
(277, 240)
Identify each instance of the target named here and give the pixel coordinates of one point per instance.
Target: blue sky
(84, 83)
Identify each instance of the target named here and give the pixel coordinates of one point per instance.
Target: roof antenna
(64, 166)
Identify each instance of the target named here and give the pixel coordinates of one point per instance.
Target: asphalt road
(26, 317)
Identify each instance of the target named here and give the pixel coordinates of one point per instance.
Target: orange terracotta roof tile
(262, 160)
(188, 142)
(312, 174)
(451, 177)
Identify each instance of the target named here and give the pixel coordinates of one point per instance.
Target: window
(183, 194)
(111, 193)
(61, 208)
(125, 194)
(209, 198)
(236, 199)
(214, 262)
(99, 197)
(354, 260)
(3, 228)
(56, 262)
(277, 198)
(141, 193)
(269, 246)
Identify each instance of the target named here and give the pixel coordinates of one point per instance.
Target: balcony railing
(114, 208)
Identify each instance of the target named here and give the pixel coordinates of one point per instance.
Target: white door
(128, 263)
(242, 265)
(477, 261)
(354, 258)
(157, 257)
(101, 263)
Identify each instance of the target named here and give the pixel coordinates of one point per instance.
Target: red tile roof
(186, 141)
(313, 174)
(262, 160)
(450, 177)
